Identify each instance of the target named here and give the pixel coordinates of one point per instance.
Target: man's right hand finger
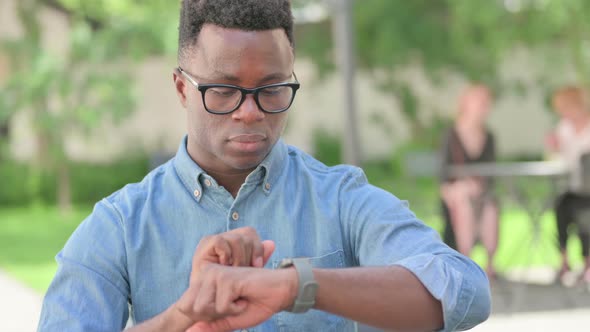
(268, 248)
(252, 248)
(239, 247)
(223, 250)
(258, 254)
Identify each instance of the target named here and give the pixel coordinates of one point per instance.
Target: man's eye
(223, 92)
(272, 91)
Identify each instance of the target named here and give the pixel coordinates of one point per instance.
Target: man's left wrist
(289, 275)
(305, 283)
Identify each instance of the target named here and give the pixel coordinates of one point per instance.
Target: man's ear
(180, 86)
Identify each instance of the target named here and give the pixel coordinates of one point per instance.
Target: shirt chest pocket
(315, 320)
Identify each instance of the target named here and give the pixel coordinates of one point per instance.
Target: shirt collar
(269, 169)
(188, 171)
(273, 165)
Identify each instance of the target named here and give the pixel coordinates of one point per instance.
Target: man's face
(240, 140)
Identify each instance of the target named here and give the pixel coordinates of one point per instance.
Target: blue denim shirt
(136, 246)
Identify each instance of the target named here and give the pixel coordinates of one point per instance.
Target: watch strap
(307, 288)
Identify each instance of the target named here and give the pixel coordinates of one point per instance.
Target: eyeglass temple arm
(188, 77)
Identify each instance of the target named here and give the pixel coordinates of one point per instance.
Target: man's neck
(230, 181)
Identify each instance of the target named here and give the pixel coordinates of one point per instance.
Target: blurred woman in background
(571, 141)
(469, 208)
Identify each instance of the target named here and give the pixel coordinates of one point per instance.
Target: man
(336, 249)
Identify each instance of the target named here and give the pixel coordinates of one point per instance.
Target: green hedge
(13, 183)
(89, 182)
(327, 147)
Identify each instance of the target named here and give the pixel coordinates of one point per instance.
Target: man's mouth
(248, 142)
(247, 138)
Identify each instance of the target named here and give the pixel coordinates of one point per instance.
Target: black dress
(453, 152)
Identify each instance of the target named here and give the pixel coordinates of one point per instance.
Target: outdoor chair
(583, 218)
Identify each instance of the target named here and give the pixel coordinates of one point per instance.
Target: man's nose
(249, 111)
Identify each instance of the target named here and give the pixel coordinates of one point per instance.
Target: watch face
(286, 262)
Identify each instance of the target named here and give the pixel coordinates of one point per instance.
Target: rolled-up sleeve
(382, 231)
(90, 289)
(464, 292)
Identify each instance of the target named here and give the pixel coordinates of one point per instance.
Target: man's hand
(239, 247)
(232, 298)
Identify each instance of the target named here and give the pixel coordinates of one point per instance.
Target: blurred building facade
(158, 124)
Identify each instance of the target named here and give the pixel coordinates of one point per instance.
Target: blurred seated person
(570, 140)
(469, 209)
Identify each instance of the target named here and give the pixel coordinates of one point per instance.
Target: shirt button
(235, 216)
(267, 186)
(208, 182)
(197, 193)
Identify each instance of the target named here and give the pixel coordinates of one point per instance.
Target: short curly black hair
(250, 15)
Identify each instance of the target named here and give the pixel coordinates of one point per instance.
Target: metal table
(520, 179)
(508, 173)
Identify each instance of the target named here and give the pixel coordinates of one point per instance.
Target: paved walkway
(529, 300)
(19, 306)
(517, 307)
(572, 320)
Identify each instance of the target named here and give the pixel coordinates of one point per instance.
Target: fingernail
(258, 262)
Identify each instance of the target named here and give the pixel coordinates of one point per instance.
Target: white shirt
(572, 145)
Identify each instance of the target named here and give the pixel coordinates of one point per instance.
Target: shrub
(89, 182)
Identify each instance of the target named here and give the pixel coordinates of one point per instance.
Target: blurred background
(87, 105)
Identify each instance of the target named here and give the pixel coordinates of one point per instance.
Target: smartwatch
(307, 285)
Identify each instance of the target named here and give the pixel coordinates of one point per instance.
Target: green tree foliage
(136, 27)
(89, 84)
(469, 37)
(63, 93)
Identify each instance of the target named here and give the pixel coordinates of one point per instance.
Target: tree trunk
(64, 193)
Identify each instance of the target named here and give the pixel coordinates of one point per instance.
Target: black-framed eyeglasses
(226, 98)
